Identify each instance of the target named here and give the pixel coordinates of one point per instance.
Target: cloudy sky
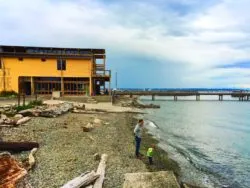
(149, 43)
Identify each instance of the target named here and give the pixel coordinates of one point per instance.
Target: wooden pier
(241, 95)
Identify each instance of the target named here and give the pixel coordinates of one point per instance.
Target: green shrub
(31, 104)
(25, 107)
(36, 103)
(7, 93)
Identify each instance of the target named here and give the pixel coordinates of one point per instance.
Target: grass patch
(8, 94)
(36, 103)
(31, 104)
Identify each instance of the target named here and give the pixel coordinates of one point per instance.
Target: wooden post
(90, 86)
(18, 99)
(62, 86)
(32, 86)
(23, 99)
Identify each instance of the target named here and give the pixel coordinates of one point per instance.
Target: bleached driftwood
(86, 112)
(23, 120)
(101, 170)
(90, 137)
(32, 160)
(82, 180)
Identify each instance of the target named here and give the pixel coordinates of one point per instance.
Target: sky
(149, 43)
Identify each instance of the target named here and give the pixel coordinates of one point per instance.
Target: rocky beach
(67, 150)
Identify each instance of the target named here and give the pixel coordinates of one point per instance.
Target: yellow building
(40, 70)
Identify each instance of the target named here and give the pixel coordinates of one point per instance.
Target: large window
(61, 64)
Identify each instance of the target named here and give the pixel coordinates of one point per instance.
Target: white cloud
(200, 40)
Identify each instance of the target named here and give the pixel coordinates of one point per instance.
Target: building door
(27, 88)
(25, 85)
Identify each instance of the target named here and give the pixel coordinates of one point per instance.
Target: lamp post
(116, 80)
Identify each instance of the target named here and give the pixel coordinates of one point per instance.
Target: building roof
(50, 52)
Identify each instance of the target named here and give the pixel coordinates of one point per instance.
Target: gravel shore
(66, 151)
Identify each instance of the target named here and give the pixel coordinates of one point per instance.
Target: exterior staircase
(91, 100)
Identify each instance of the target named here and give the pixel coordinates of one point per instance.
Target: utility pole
(116, 80)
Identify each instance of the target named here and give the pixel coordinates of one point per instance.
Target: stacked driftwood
(18, 119)
(53, 110)
(90, 179)
(48, 110)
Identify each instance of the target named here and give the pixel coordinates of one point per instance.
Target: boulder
(88, 127)
(97, 121)
(18, 116)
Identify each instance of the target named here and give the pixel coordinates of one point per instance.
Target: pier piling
(153, 97)
(220, 97)
(197, 97)
(175, 98)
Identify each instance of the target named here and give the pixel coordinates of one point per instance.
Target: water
(209, 139)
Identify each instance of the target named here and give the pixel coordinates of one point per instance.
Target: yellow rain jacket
(150, 152)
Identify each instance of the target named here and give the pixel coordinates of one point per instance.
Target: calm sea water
(209, 139)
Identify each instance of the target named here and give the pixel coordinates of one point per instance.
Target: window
(0, 63)
(61, 64)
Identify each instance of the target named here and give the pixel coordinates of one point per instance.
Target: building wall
(36, 67)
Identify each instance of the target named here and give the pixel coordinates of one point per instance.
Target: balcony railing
(105, 73)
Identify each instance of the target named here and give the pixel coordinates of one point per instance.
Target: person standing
(138, 134)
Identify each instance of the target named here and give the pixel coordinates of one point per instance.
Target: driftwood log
(32, 160)
(18, 146)
(101, 170)
(83, 180)
(23, 120)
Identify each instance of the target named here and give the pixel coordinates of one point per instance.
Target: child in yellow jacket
(150, 153)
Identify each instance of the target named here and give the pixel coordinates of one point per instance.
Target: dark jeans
(150, 159)
(137, 145)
